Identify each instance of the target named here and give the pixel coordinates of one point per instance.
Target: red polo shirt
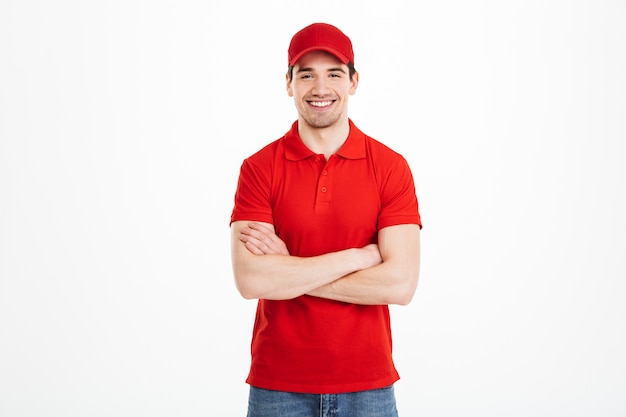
(310, 344)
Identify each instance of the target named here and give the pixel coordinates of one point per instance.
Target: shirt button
(324, 172)
(323, 189)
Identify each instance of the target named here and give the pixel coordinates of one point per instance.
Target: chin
(321, 123)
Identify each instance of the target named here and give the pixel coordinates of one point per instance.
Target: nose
(320, 88)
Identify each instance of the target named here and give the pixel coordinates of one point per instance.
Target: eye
(306, 76)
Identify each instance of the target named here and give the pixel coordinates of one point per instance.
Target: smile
(320, 103)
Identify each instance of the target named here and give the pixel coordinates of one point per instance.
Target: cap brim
(344, 59)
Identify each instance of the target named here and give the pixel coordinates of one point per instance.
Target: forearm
(278, 277)
(394, 281)
(376, 285)
(263, 267)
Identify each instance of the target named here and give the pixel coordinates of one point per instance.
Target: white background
(122, 128)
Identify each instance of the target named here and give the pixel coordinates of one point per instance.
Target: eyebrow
(308, 69)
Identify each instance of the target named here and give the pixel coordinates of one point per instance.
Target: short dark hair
(351, 71)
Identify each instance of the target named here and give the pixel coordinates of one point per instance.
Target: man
(325, 234)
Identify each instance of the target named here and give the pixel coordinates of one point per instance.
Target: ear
(354, 82)
(289, 91)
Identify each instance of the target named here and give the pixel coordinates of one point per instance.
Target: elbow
(247, 293)
(246, 290)
(404, 297)
(405, 289)
(250, 288)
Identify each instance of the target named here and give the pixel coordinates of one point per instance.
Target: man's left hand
(262, 240)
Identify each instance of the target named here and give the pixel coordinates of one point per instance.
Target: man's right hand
(372, 255)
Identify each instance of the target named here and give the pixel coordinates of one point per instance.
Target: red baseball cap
(320, 37)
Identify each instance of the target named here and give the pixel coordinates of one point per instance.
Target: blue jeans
(374, 403)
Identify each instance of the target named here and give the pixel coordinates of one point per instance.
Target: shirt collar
(353, 147)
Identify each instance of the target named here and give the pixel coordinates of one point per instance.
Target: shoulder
(264, 159)
(375, 149)
(266, 152)
(382, 154)
(378, 146)
(372, 145)
(273, 149)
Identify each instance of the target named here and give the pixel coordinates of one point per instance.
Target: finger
(260, 227)
(256, 247)
(264, 246)
(253, 249)
(265, 236)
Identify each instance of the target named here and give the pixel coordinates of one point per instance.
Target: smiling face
(320, 87)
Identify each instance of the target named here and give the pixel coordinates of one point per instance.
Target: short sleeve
(399, 203)
(252, 198)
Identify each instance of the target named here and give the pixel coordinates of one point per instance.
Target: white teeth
(321, 103)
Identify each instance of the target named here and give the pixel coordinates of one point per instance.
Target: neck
(326, 140)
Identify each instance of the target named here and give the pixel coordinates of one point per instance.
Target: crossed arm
(383, 273)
